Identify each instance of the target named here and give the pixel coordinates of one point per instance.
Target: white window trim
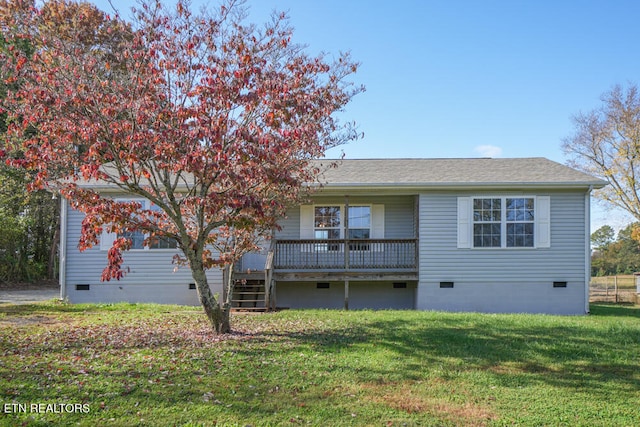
(340, 228)
(376, 226)
(107, 238)
(541, 221)
(342, 217)
(324, 247)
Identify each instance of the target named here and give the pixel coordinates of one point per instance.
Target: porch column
(346, 251)
(346, 233)
(416, 230)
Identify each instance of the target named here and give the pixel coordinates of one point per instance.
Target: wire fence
(616, 289)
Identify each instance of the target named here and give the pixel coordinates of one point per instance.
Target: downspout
(63, 248)
(587, 243)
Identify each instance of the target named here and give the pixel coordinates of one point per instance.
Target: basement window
(446, 285)
(82, 287)
(559, 284)
(192, 285)
(400, 285)
(322, 285)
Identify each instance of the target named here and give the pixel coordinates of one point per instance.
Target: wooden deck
(322, 260)
(345, 255)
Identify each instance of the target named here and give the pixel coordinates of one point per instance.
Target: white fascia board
(414, 188)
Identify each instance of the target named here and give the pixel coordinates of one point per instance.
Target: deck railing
(360, 254)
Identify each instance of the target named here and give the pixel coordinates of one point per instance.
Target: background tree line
(29, 230)
(606, 144)
(615, 254)
(29, 217)
(29, 222)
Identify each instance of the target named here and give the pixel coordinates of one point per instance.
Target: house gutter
(63, 248)
(457, 186)
(587, 244)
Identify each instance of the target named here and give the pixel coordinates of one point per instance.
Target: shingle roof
(536, 171)
(441, 173)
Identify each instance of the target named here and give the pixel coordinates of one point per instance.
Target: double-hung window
(359, 226)
(520, 221)
(328, 223)
(359, 222)
(503, 222)
(161, 242)
(327, 226)
(487, 223)
(137, 238)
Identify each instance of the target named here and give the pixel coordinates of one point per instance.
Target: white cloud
(488, 150)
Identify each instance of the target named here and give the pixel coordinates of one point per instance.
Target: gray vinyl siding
(374, 295)
(290, 225)
(151, 276)
(398, 215)
(502, 280)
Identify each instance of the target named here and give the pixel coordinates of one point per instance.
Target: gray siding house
(483, 235)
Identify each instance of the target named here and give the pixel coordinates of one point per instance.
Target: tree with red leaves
(212, 120)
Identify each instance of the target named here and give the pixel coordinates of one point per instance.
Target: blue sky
(469, 78)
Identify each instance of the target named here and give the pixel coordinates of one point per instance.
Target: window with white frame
(487, 223)
(520, 222)
(327, 222)
(359, 222)
(328, 225)
(161, 242)
(359, 226)
(137, 238)
(504, 222)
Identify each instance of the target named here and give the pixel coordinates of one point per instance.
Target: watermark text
(45, 408)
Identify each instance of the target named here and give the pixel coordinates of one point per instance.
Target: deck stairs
(250, 276)
(249, 295)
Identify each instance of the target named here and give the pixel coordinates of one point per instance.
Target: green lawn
(160, 365)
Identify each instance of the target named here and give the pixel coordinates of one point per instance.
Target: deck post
(268, 276)
(346, 294)
(274, 301)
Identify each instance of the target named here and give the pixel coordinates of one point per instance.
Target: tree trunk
(226, 308)
(53, 252)
(218, 316)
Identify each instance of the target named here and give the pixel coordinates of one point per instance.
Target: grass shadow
(321, 364)
(616, 310)
(515, 350)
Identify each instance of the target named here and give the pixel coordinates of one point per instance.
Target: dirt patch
(409, 398)
(520, 368)
(28, 320)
